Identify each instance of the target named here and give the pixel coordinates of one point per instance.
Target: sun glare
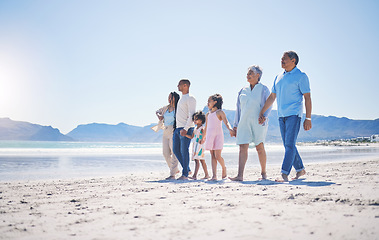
(13, 76)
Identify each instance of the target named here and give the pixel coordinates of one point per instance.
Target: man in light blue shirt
(289, 89)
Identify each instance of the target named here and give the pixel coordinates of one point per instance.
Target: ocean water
(31, 160)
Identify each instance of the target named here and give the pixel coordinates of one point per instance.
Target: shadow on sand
(302, 182)
(174, 181)
(298, 182)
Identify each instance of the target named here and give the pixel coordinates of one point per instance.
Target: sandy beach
(333, 201)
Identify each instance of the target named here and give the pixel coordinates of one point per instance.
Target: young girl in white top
(197, 147)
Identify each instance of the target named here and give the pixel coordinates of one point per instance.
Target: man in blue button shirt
(289, 89)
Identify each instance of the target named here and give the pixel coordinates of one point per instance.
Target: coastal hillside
(114, 133)
(17, 130)
(323, 128)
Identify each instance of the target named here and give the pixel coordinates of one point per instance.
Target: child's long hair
(217, 97)
(175, 96)
(199, 115)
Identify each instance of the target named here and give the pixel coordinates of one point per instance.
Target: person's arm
(305, 89)
(191, 110)
(237, 115)
(308, 111)
(201, 134)
(205, 129)
(270, 100)
(222, 116)
(190, 136)
(160, 112)
(265, 95)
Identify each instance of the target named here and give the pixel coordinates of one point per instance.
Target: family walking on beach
(181, 123)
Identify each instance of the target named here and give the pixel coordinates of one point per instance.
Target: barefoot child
(197, 147)
(213, 135)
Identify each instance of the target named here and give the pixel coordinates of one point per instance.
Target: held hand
(307, 125)
(234, 132)
(231, 131)
(183, 132)
(160, 118)
(261, 119)
(202, 141)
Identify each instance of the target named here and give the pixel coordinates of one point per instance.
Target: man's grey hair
(257, 70)
(293, 55)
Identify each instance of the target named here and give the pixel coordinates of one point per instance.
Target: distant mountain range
(323, 128)
(16, 130)
(115, 133)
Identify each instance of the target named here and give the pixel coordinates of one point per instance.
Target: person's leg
(221, 161)
(204, 165)
(176, 145)
(184, 149)
(214, 165)
(298, 165)
(292, 127)
(298, 162)
(167, 151)
(282, 127)
(165, 147)
(242, 159)
(262, 159)
(197, 166)
(189, 132)
(174, 161)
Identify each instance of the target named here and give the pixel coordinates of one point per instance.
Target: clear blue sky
(65, 63)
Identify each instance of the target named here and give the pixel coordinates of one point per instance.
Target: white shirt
(265, 94)
(186, 108)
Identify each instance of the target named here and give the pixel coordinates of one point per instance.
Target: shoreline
(332, 201)
(339, 143)
(21, 168)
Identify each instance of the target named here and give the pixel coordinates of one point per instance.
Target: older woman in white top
(246, 126)
(166, 116)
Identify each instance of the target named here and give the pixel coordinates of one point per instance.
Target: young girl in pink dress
(213, 134)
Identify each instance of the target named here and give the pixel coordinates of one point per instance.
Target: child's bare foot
(239, 179)
(183, 178)
(193, 177)
(213, 179)
(283, 179)
(224, 175)
(206, 177)
(170, 178)
(299, 174)
(264, 176)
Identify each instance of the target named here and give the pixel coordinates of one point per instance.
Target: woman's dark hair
(217, 97)
(199, 115)
(175, 96)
